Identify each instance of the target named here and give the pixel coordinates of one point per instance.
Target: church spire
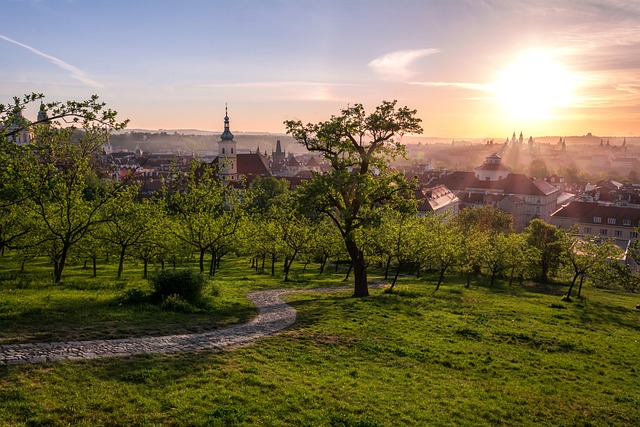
(226, 135)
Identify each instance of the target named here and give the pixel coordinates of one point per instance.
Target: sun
(534, 87)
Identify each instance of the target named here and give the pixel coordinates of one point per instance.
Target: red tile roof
(514, 183)
(585, 212)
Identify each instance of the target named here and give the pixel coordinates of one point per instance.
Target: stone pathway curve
(274, 316)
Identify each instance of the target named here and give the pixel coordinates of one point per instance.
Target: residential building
(494, 184)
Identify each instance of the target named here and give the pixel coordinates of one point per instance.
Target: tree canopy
(358, 146)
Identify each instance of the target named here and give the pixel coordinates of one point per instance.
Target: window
(618, 233)
(222, 150)
(611, 221)
(603, 232)
(633, 234)
(587, 230)
(231, 150)
(626, 222)
(597, 219)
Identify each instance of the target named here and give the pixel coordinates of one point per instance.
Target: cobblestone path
(274, 316)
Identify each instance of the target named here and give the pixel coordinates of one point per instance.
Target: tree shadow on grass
(70, 319)
(594, 312)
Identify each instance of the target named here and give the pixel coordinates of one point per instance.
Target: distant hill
(188, 140)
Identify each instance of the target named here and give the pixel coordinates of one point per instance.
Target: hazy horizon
(470, 68)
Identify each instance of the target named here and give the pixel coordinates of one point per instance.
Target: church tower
(227, 153)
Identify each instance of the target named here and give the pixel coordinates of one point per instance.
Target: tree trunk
(95, 267)
(287, 266)
(201, 260)
(58, 266)
(580, 285)
(348, 272)
(361, 288)
(121, 263)
(441, 277)
(567, 297)
(145, 268)
(322, 264)
(273, 264)
(395, 277)
(212, 264)
(386, 269)
(418, 271)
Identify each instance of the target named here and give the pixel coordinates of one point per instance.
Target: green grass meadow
(478, 356)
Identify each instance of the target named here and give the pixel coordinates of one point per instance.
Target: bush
(187, 284)
(176, 303)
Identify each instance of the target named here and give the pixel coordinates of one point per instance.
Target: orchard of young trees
(57, 203)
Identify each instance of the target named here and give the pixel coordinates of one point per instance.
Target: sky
(471, 68)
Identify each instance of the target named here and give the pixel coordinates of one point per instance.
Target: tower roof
(226, 135)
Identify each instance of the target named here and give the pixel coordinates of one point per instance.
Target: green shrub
(175, 302)
(188, 284)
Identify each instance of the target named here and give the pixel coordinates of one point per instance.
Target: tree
(129, 223)
(91, 247)
(52, 173)
(447, 246)
(326, 243)
(263, 239)
(295, 232)
(484, 219)
(585, 255)
(538, 169)
(267, 192)
(396, 240)
(548, 240)
(15, 227)
(205, 211)
(358, 147)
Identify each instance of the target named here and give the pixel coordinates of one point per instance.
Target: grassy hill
(473, 356)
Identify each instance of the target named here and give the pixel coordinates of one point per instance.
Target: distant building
(17, 129)
(597, 219)
(438, 199)
(233, 166)
(494, 184)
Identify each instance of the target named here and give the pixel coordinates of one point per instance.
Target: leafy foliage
(187, 284)
(358, 147)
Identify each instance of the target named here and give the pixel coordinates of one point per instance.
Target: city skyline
(472, 68)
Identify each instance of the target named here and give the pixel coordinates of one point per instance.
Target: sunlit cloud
(461, 85)
(397, 65)
(76, 73)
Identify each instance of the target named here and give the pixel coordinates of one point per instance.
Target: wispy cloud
(275, 85)
(76, 73)
(462, 85)
(397, 65)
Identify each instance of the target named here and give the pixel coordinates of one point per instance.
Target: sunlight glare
(534, 87)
